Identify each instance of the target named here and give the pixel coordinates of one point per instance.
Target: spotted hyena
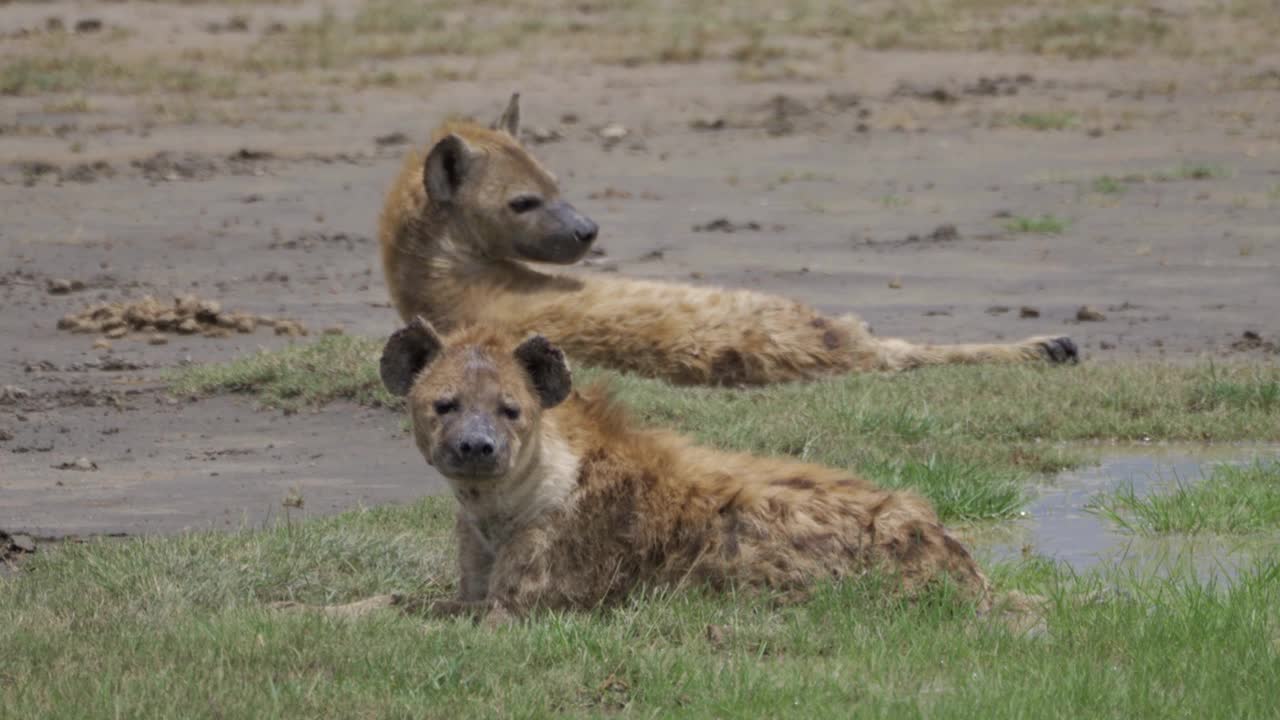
(463, 221)
(563, 503)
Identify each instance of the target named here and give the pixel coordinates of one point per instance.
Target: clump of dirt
(999, 85)
(941, 234)
(1089, 313)
(312, 240)
(186, 315)
(1251, 340)
(12, 546)
(724, 224)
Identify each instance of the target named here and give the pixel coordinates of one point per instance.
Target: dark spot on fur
(812, 543)
(732, 524)
(799, 483)
(831, 339)
(473, 493)
(728, 368)
(954, 547)
(818, 322)
(728, 505)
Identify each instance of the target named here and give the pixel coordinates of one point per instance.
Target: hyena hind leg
(896, 354)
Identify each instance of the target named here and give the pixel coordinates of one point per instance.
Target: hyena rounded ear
(547, 368)
(446, 168)
(509, 121)
(407, 351)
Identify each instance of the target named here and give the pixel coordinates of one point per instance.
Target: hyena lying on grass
(460, 224)
(564, 505)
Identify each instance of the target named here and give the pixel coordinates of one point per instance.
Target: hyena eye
(524, 203)
(510, 412)
(444, 407)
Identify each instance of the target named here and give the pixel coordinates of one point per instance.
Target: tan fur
(591, 508)
(458, 267)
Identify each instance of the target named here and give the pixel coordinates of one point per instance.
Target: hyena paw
(1059, 350)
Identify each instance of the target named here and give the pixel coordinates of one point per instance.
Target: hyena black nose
(475, 447)
(586, 232)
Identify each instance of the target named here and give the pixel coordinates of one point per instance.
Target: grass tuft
(1232, 500)
(1047, 120)
(335, 367)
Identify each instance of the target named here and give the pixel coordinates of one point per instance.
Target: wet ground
(885, 182)
(1058, 523)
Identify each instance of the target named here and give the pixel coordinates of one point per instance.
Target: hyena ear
(509, 121)
(547, 368)
(407, 352)
(446, 168)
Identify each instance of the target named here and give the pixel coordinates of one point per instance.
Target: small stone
(1088, 313)
(158, 339)
(22, 543)
(102, 344)
(335, 330)
(117, 332)
(68, 322)
(245, 324)
(895, 284)
(217, 332)
(188, 327)
(166, 320)
(291, 328)
(713, 122)
(208, 310)
(542, 135)
(613, 132)
(187, 305)
(9, 393)
(58, 286)
(82, 464)
(1027, 311)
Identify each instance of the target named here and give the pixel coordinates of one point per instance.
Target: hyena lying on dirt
(565, 505)
(459, 225)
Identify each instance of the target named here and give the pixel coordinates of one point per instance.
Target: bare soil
(878, 182)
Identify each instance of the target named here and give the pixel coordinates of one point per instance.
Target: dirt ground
(888, 181)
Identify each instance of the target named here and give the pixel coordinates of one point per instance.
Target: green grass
(176, 627)
(1191, 171)
(70, 71)
(1108, 185)
(967, 437)
(1047, 120)
(1233, 500)
(1045, 224)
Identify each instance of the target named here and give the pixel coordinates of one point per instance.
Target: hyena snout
(474, 447)
(565, 235)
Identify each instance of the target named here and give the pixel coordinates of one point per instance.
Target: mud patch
(187, 315)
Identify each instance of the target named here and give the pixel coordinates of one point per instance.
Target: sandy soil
(878, 182)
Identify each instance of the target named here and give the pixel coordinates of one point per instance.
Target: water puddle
(1058, 526)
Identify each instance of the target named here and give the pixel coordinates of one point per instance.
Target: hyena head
(475, 399)
(495, 197)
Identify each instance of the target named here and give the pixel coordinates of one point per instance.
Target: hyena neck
(443, 269)
(543, 483)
